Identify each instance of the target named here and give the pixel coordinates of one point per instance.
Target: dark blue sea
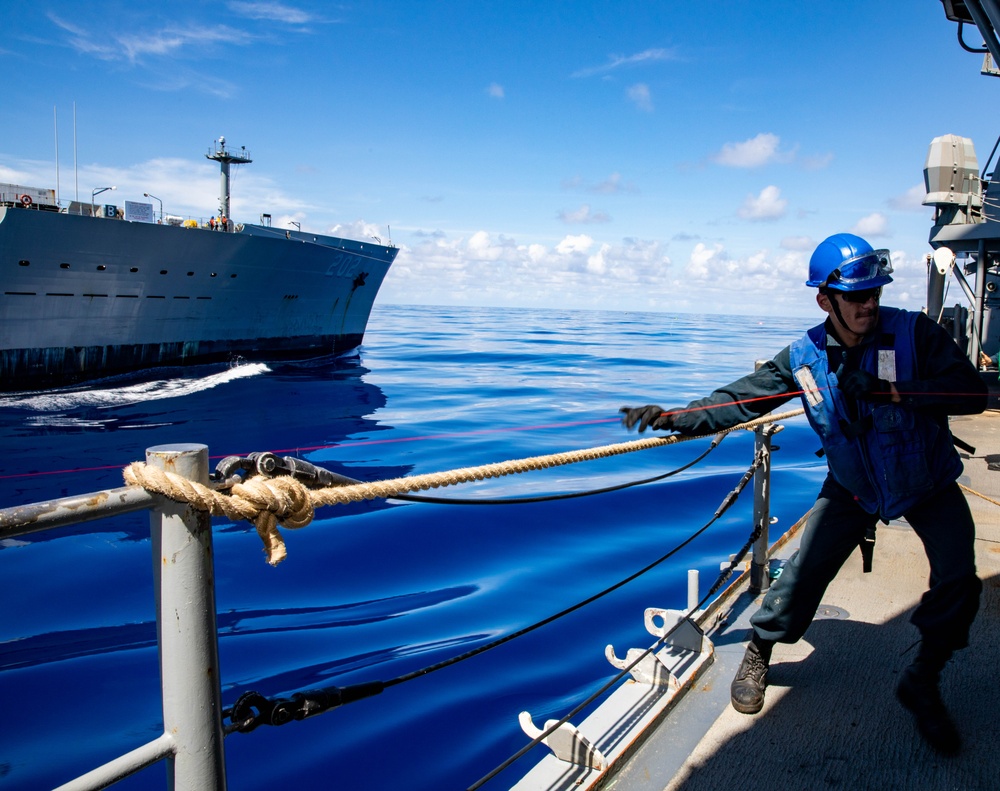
(375, 590)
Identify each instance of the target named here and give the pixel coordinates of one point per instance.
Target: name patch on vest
(808, 384)
(887, 364)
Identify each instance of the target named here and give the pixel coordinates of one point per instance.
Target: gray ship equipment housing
(951, 179)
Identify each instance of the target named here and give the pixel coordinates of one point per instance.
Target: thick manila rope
(268, 502)
(978, 494)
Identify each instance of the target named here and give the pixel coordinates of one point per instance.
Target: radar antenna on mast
(225, 158)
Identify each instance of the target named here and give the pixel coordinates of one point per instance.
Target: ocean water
(376, 590)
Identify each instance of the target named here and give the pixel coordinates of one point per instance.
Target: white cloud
(610, 186)
(81, 41)
(798, 243)
(482, 247)
(165, 42)
(574, 244)
(909, 280)
(584, 216)
(581, 271)
(537, 252)
(613, 184)
(131, 47)
(763, 282)
(495, 90)
(911, 200)
(699, 265)
(752, 153)
(618, 61)
(769, 205)
(275, 12)
(576, 271)
(597, 264)
(639, 95)
(815, 161)
(359, 229)
(875, 225)
(105, 43)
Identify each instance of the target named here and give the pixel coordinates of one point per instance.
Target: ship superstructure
(966, 200)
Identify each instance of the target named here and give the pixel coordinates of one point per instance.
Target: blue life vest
(891, 457)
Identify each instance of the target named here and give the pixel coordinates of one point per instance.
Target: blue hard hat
(846, 262)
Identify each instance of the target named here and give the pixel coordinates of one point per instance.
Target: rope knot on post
(283, 500)
(265, 502)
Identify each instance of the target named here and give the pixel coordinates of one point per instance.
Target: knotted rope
(285, 501)
(265, 502)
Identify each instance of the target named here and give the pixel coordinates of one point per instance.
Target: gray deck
(831, 717)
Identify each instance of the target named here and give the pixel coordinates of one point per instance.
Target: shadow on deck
(831, 718)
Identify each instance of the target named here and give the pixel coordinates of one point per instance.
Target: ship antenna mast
(225, 158)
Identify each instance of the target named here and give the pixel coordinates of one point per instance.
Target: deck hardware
(270, 465)
(566, 742)
(829, 612)
(652, 669)
(686, 636)
(663, 668)
(693, 597)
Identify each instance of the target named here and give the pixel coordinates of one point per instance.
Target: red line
(60, 472)
(477, 432)
(359, 443)
(734, 403)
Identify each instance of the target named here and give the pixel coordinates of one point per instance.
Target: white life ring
(25, 200)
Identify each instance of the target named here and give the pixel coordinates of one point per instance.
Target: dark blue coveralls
(945, 384)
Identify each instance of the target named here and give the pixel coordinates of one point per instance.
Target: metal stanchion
(184, 580)
(760, 578)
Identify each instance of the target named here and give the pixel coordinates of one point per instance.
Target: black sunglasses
(861, 297)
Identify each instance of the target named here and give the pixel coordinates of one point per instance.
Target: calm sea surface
(376, 590)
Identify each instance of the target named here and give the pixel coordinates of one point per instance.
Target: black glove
(651, 415)
(860, 384)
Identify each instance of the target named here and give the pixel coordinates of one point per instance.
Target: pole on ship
(760, 577)
(221, 155)
(184, 581)
(55, 125)
(978, 311)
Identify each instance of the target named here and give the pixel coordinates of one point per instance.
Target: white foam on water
(141, 392)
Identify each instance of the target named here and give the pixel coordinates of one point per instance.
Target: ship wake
(141, 392)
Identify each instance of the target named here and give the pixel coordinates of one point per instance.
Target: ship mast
(225, 158)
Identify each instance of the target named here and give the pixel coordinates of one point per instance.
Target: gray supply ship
(91, 290)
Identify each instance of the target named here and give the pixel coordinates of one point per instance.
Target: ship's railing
(187, 633)
(192, 736)
(110, 211)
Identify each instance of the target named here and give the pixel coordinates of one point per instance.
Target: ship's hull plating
(85, 297)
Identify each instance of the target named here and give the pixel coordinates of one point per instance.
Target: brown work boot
(918, 692)
(747, 690)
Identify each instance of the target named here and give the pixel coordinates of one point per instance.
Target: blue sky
(623, 155)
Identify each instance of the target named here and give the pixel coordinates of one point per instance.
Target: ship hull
(84, 297)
